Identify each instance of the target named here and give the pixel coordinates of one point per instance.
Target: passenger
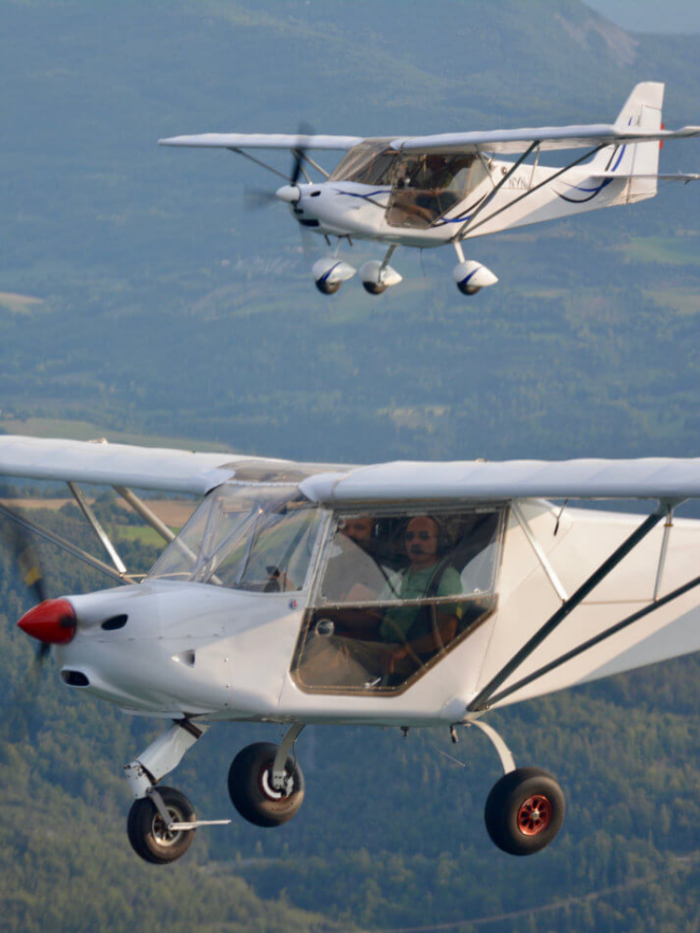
(422, 630)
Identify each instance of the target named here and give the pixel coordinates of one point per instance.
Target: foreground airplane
(402, 594)
(428, 191)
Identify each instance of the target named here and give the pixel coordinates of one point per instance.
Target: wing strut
(94, 522)
(247, 155)
(146, 514)
(463, 230)
(603, 636)
(488, 695)
(496, 189)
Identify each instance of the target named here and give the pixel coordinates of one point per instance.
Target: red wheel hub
(534, 815)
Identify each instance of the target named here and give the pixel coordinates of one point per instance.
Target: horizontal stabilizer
(679, 176)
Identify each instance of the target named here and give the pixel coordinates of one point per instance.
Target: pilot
(429, 180)
(353, 573)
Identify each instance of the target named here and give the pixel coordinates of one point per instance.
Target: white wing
(102, 463)
(263, 141)
(511, 479)
(115, 464)
(547, 137)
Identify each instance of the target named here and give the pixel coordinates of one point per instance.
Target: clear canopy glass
(396, 593)
(256, 538)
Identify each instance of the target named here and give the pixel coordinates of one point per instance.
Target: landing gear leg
(162, 822)
(525, 808)
(265, 782)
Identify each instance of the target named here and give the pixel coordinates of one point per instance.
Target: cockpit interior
(424, 185)
(385, 594)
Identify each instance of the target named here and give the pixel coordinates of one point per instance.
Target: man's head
(421, 537)
(358, 529)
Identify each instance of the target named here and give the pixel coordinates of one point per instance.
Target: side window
(396, 593)
(426, 186)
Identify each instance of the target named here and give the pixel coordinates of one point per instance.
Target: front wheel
(524, 811)
(251, 790)
(148, 833)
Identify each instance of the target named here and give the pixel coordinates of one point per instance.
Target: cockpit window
(396, 593)
(370, 163)
(253, 538)
(429, 185)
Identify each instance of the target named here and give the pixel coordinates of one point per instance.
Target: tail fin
(643, 110)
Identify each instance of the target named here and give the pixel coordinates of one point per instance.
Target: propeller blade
(30, 566)
(19, 720)
(256, 198)
(299, 151)
(42, 653)
(20, 545)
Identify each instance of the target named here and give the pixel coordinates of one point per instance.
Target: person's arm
(444, 633)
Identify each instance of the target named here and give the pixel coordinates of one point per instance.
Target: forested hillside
(138, 297)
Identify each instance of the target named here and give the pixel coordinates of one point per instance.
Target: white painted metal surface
(194, 651)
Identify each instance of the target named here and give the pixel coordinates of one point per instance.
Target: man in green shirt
(419, 631)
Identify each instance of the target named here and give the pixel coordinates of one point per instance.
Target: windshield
(246, 537)
(369, 163)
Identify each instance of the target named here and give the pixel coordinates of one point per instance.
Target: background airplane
(429, 191)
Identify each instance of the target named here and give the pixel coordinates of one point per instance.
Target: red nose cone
(52, 622)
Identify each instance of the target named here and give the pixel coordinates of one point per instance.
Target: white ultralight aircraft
(427, 191)
(403, 594)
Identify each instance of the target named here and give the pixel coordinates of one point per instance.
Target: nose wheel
(260, 792)
(156, 837)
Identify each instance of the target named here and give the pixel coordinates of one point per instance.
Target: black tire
(250, 786)
(524, 811)
(373, 288)
(327, 288)
(146, 829)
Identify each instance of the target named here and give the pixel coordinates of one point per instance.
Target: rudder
(642, 110)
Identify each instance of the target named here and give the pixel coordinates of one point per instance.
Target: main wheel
(524, 811)
(327, 288)
(467, 289)
(251, 790)
(374, 288)
(149, 836)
